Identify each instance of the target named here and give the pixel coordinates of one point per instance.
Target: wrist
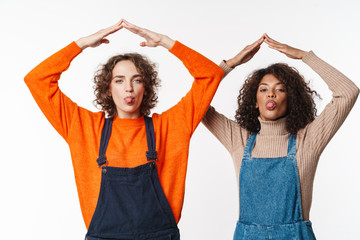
(81, 43)
(302, 54)
(166, 42)
(231, 63)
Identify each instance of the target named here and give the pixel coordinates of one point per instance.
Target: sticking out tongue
(270, 105)
(129, 100)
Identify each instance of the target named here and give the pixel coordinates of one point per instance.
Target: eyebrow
(134, 76)
(279, 83)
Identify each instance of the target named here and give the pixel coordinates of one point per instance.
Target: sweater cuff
(226, 68)
(71, 50)
(177, 48)
(309, 57)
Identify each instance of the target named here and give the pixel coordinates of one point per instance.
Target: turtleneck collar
(277, 127)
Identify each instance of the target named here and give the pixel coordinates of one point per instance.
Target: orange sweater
(81, 128)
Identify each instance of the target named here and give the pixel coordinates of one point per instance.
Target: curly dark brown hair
(301, 108)
(103, 76)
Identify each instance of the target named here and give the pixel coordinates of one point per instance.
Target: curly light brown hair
(301, 108)
(103, 76)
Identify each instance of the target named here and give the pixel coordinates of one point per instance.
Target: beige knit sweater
(272, 139)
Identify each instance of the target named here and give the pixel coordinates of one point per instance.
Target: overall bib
(131, 204)
(270, 199)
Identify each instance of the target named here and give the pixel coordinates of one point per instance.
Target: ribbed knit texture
(81, 128)
(272, 139)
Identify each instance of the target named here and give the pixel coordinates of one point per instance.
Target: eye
(263, 90)
(281, 90)
(138, 80)
(119, 81)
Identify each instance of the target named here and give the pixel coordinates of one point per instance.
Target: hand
(283, 48)
(246, 54)
(98, 38)
(153, 39)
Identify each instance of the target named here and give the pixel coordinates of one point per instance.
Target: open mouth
(270, 105)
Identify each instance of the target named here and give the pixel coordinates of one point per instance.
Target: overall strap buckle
(101, 160)
(105, 136)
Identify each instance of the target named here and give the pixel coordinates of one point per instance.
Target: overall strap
(151, 154)
(249, 145)
(105, 136)
(292, 146)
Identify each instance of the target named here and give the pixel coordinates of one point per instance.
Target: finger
(129, 24)
(143, 44)
(259, 41)
(104, 40)
(272, 41)
(262, 38)
(111, 30)
(115, 28)
(117, 24)
(121, 21)
(275, 45)
(280, 49)
(133, 29)
(256, 44)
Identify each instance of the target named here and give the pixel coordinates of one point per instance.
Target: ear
(256, 105)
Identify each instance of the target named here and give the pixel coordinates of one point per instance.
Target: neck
(277, 127)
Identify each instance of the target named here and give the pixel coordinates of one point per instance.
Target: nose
(271, 94)
(129, 86)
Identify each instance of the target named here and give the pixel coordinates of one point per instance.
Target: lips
(129, 100)
(270, 105)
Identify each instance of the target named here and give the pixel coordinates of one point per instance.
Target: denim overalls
(270, 199)
(131, 204)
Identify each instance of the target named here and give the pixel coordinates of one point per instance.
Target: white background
(38, 194)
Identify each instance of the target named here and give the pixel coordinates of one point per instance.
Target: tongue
(128, 100)
(270, 105)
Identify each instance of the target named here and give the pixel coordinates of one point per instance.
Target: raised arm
(43, 80)
(344, 94)
(219, 125)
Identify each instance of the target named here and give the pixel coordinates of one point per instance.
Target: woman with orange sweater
(129, 168)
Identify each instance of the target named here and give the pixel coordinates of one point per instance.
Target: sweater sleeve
(42, 82)
(221, 127)
(344, 94)
(207, 76)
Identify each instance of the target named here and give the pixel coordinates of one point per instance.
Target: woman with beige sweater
(277, 139)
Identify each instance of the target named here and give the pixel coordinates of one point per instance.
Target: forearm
(338, 83)
(345, 92)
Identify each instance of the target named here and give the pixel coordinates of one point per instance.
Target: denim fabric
(132, 204)
(270, 200)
